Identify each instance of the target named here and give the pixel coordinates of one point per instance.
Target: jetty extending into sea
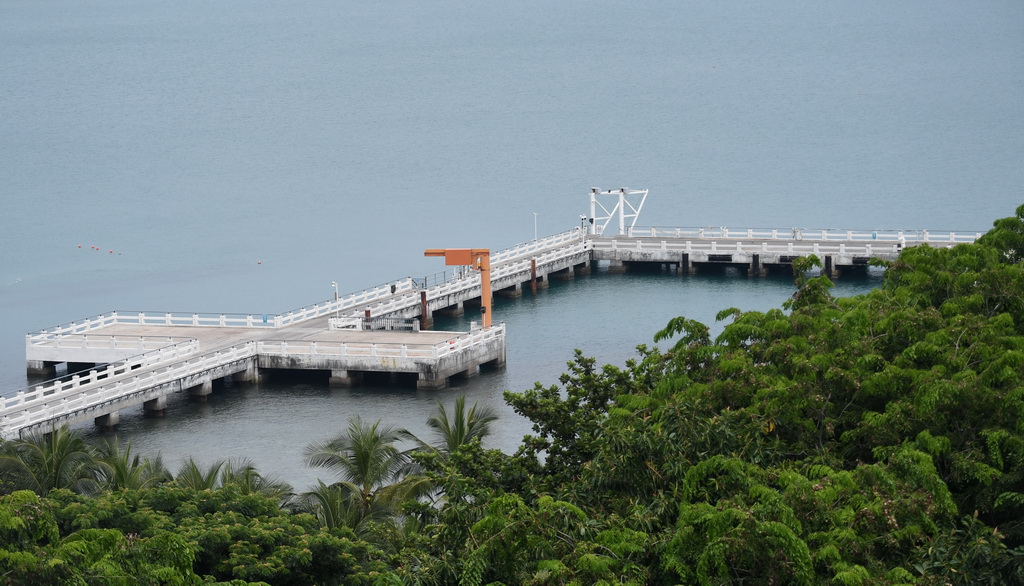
(120, 360)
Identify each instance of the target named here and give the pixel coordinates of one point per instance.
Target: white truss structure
(625, 203)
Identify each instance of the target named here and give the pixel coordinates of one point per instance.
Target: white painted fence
(723, 232)
(782, 246)
(139, 344)
(459, 342)
(229, 320)
(67, 394)
(532, 247)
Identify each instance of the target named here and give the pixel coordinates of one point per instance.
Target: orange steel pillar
(477, 258)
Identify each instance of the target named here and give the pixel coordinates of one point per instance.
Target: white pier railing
(47, 400)
(457, 343)
(827, 234)
(138, 344)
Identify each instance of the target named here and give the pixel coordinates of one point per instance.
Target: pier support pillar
(41, 368)
(109, 421)
(564, 274)
(510, 292)
(201, 391)
(685, 267)
(468, 373)
(452, 310)
(251, 374)
(345, 378)
(155, 407)
(533, 276)
(431, 382)
(616, 267)
(582, 269)
(756, 269)
(830, 269)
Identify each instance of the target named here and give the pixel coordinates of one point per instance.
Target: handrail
(724, 232)
(29, 409)
(458, 342)
(62, 386)
(115, 342)
(717, 246)
(235, 320)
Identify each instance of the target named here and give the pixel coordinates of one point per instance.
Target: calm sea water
(239, 156)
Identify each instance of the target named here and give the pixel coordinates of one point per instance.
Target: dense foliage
(869, 440)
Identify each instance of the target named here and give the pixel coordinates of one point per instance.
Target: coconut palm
(456, 429)
(191, 475)
(41, 463)
(374, 475)
(242, 474)
(124, 470)
(365, 458)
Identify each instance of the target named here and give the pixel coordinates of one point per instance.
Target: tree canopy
(876, 439)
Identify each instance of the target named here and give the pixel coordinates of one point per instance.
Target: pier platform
(123, 359)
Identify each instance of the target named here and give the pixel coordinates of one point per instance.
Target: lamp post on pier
(337, 308)
(534, 225)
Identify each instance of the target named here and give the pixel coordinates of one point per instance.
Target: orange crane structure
(478, 259)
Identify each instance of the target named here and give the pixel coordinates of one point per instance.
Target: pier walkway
(123, 359)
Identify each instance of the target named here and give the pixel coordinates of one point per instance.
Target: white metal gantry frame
(628, 203)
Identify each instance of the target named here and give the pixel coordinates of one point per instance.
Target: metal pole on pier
(475, 258)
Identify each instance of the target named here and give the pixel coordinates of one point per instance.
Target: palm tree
(191, 475)
(374, 475)
(336, 506)
(365, 458)
(242, 474)
(123, 470)
(43, 462)
(459, 428)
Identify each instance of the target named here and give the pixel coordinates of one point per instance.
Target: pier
(120, 360)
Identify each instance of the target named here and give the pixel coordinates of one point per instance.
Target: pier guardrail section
(534, 246)
(459, 341)
(41, 402)
(826, 234)
(94, 342)
(716, 246)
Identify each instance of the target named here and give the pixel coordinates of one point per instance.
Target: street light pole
(534, 225)
(337, 309)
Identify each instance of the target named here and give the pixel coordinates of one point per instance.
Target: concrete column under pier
(564, 274)
(468, 373)
(756, 269)
(201, 391)
(250, 375)
(41, 368)
(427, 382)
(452, 310)
(510, 292)
(830, 270)
(582, 269)
(109, 421)
(685, 267)
(155, 407)
(345, 378)
(616, 266)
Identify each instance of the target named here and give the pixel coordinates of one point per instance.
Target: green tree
(124, 470)
(43, 462)
(451, 431)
